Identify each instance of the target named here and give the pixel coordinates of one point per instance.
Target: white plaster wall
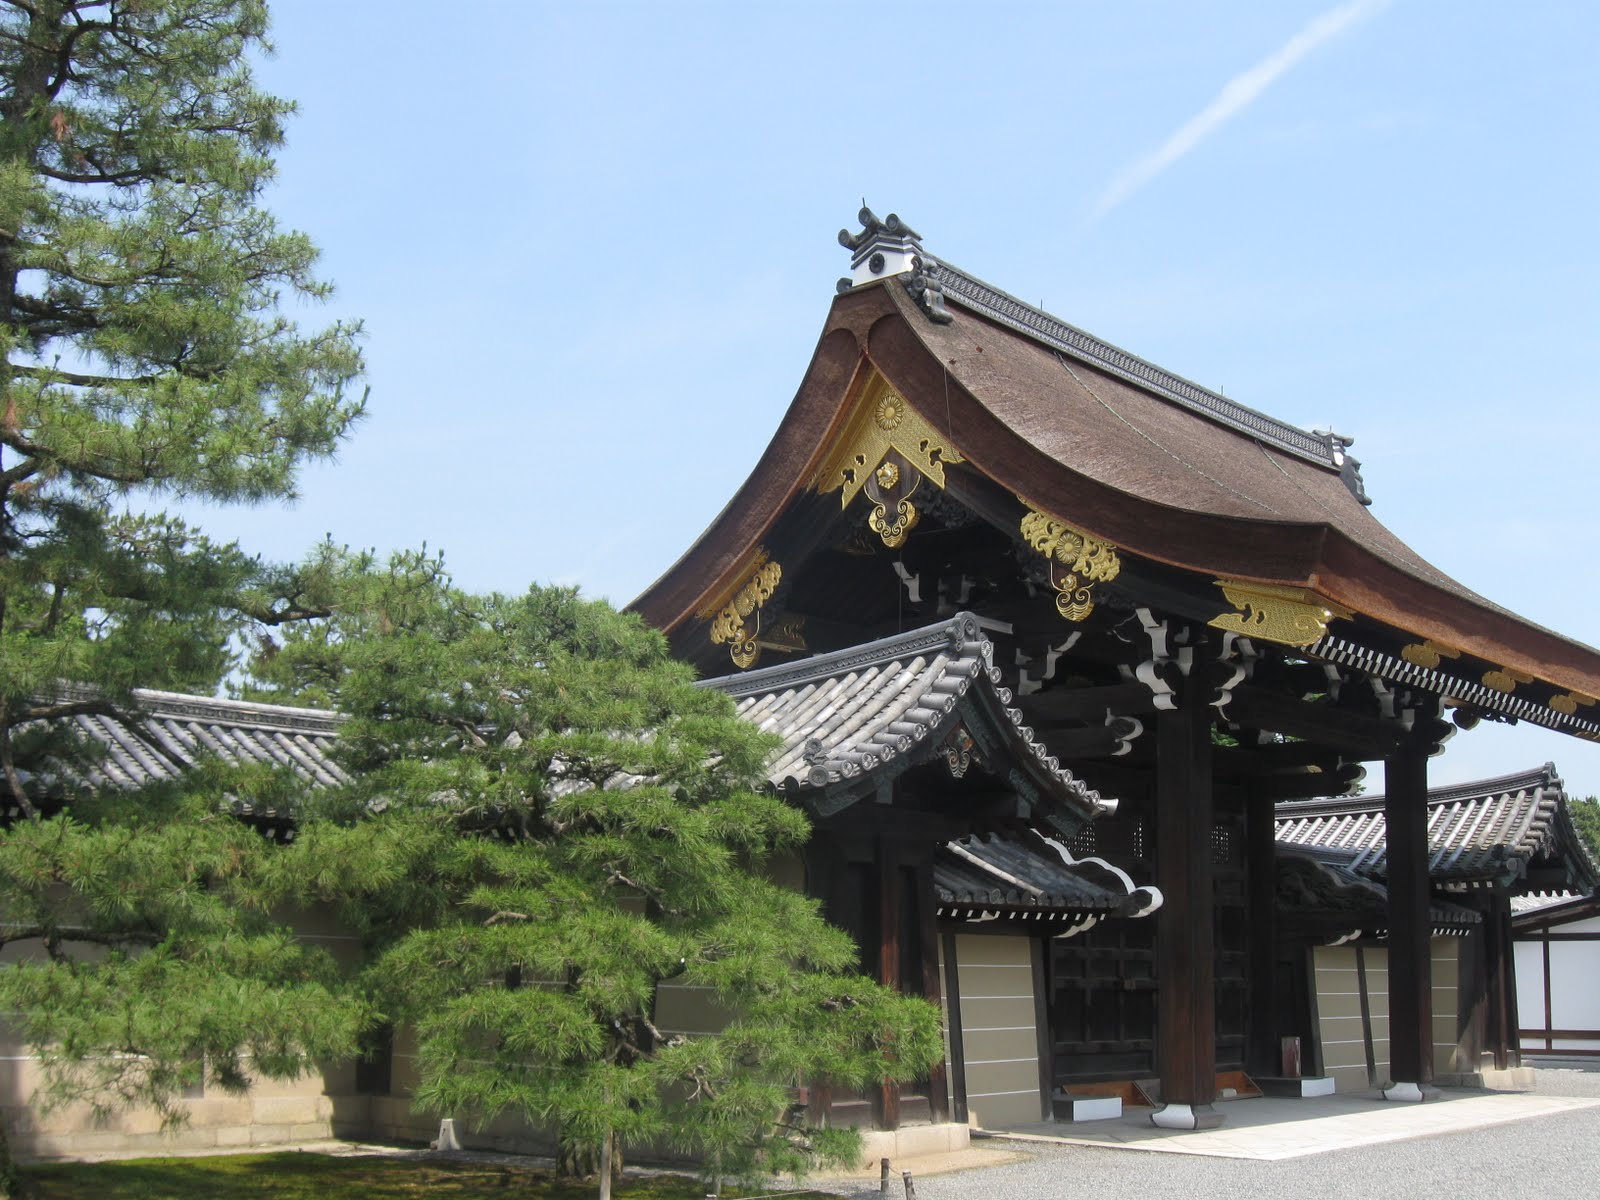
(1574, 987)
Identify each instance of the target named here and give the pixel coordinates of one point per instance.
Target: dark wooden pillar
(1410, 933)
(1186, 1050)
(886, 1097)
(958, 1056)
(1262, 1050)
(1504, 1042)
(928, 949)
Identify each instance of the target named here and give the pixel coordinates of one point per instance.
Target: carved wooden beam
(1307, 785)
(1275, 759)
(1053, 707)
(1111, 740)
(1363, 737)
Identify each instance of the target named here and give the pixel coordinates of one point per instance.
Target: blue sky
(594, 243)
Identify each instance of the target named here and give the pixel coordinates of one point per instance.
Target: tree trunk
(12, 1185)
(605, 1167)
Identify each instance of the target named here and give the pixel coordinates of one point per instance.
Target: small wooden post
(883, 1177)
(911, 1188)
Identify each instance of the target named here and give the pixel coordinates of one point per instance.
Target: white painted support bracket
(1409, 1093)
(1186, 1116)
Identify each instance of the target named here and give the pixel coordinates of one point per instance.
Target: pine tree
(551, 822)
(144, 359)
(1586, 818)
(144, 353)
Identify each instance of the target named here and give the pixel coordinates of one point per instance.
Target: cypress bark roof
(1134, 456)
(1481, 833)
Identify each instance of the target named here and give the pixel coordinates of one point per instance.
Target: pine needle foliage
(1586, 818)
(551, 823)
(153, 957)
(144, 358)
(145, 355)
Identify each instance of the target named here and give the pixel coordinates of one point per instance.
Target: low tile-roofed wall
(1478, 833)
(173, 731)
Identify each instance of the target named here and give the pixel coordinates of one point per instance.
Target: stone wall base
(913, 1141)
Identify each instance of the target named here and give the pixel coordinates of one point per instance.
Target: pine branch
(74, 379)
(68, 708)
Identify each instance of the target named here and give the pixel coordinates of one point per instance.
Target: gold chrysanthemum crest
(887, 449)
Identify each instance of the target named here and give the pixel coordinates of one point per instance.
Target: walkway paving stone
(1271, 1128)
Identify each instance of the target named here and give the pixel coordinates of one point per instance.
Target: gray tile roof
(1479, 833)
(1320, 882)
(173, 731)
(856, 717)
(1534, 914)
(1029, 875)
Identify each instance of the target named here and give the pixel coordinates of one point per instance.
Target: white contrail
(1236, 95)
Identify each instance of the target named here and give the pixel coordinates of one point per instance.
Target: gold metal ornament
(1077, 560)
(893, 533)
(884, 423)
(738, 623)
(1568, 702)
(1290, 616)
(1505, 679)
(1427, 654)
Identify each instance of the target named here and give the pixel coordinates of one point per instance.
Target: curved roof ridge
(1533, 778)
(953, 632)
(152, 703)
(914, 695)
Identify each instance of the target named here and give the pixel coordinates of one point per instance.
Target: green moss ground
(301, 1176)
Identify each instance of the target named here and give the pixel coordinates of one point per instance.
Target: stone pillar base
(1186, 1116)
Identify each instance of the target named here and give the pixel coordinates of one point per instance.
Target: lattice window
(1083, 843)
(1222, 846)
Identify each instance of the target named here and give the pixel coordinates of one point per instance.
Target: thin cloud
(1236, 95)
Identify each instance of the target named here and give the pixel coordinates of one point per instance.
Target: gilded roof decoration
(1504, 679)
(887, 449)
(1077, 560)
(1568, 702)
(1287, 615)
(1428, 653)
(738, 623)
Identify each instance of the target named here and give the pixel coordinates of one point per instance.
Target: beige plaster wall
(1339, 1012)
(998, 1031)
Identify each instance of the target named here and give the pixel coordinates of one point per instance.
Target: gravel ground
(1548, 1158)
